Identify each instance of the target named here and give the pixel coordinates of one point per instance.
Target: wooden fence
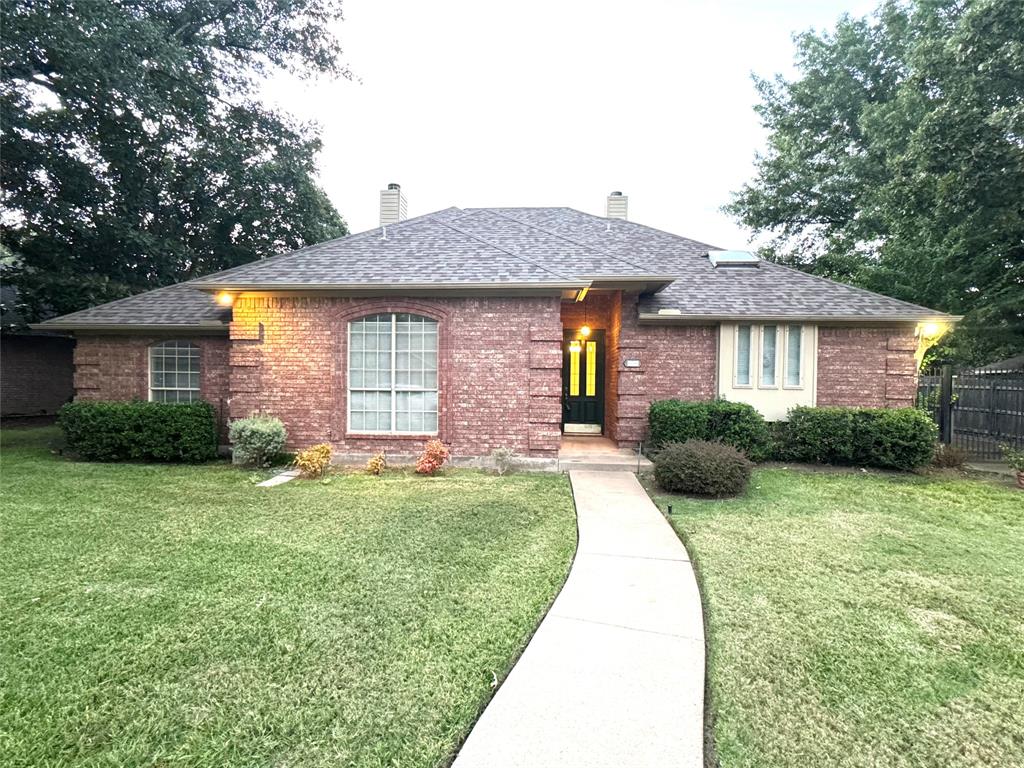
(975, 410)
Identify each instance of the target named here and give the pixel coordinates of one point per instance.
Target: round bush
(255, 441)
(702, 468)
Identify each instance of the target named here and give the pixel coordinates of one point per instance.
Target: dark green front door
(583, 382)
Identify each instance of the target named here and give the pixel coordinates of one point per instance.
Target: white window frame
(394, 390)
(760, 356)
(196, 391)
(750, 355)
(800, 360)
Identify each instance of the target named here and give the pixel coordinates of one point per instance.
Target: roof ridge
(312, 247)
(648, 226)
(567, 239)
(503, 250)
(110, 303)
(855, 288)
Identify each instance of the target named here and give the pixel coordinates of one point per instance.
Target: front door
(583, 382)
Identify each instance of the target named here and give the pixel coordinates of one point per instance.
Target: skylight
(733, 259)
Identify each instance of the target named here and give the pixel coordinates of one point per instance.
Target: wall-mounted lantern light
(225, 299)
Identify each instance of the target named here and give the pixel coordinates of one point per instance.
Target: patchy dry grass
(860, 620)
(163, 615)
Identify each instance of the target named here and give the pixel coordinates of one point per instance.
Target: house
(498, 327)
(35, 366)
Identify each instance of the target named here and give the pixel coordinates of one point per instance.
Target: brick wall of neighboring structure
(499, 370)
(867, 367)
(678, 361)
(35, 374)
(117, 368)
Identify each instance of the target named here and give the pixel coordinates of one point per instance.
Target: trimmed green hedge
(736, 424)
(140, 431)
(702, 468)
(889, 438)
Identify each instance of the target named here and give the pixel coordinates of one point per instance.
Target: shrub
(702, 468)
(140, 431)
(435, 453)
(504, 459)
(949, 456)
(257, 440)
(313, 462)
(377, 463)
(736, 424)
(890, 438)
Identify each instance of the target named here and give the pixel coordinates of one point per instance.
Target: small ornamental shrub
(504, 459)
(702, 468)
(737, 424)
(377, 463)
(890, 438)
(313, 462)
(435, 453)
(257, 440)
(140, 431)
(949, 456)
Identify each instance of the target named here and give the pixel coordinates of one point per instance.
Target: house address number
(631, 362)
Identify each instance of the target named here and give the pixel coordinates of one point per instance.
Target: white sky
(552, 103)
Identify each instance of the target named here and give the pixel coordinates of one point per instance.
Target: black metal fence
(976, 410)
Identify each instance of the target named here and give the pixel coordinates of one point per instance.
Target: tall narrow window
(174, 372)
(769, 334)
(743, 356)
(392, 374)
(794, 340)
(591, 368)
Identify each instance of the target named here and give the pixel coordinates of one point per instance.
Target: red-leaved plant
(435, 453)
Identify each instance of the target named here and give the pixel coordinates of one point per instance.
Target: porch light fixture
(225, 299)
(585, 331)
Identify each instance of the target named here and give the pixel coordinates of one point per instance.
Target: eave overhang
(673, 318)
(212, 328)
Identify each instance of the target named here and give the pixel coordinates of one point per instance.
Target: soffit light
(225, 299)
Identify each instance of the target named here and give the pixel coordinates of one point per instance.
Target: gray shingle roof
(492, 247)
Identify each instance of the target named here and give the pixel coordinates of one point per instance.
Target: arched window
(174, 372)
(392, 374)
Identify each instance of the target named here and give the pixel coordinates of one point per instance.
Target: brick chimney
(617, 205)
(392, 205)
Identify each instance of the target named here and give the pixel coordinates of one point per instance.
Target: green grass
(181, 616)
(862, 620)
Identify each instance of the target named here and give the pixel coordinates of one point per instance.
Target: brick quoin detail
(676, 361)
(867, 367)
(117, 368)
(498, 382)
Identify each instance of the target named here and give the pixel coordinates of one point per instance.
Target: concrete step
(600, 463)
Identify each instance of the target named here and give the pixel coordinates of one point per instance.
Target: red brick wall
(35, 374)
(117, 368)
(675, 361)
(867, 367)
(499, 366)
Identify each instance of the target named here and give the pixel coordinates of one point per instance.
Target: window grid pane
(393, 389)
(174, 372)
(768, 337)
(743, 355)
(793, 356)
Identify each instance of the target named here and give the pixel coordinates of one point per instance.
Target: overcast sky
(552, 103)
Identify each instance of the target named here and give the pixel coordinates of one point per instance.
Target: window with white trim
(174, 372)
(392, 374)
(794, 352)
(769, 358)
(744, 335)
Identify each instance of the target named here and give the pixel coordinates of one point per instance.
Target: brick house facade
(521, 337)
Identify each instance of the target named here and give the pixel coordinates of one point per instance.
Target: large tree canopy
(134, 152)
(896, 161)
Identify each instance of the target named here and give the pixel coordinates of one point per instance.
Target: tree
(133, 151)
(896, 161)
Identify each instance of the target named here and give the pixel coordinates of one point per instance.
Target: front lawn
(862, 620)
(173, 616)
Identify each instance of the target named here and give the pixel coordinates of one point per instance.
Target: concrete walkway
(614, 675)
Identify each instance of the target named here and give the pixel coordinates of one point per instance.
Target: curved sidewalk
(614, 675)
